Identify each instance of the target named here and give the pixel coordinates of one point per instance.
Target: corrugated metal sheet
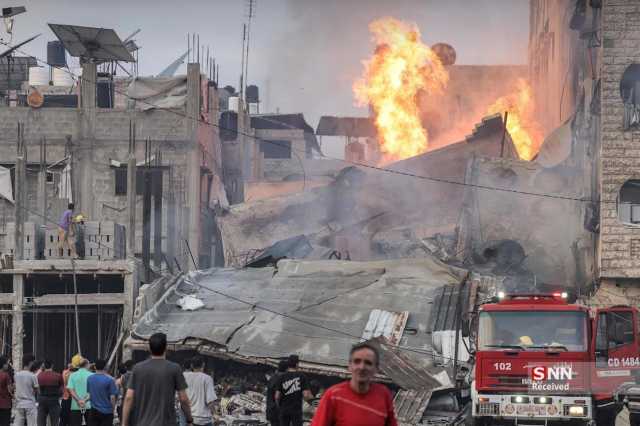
(387, 324)
(316, 309)
(417, 382)
(410, 405)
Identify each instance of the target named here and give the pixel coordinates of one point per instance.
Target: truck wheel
(634, 419)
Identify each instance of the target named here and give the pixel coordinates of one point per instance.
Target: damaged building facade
(146, 177)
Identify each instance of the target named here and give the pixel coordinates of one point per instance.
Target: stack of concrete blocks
(34, 240)
(102, 241)
(112, 241)
(92, 248)
(52, 246)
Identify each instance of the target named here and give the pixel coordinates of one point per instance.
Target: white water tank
(62, 77)
(38, 76)
(234, 103)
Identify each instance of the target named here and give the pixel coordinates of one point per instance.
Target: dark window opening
(629, 202)
(276, 149)
(121, 179)
(619, 328)
(630, 93)
(6, 283)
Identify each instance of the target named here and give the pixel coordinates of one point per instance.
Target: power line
(355, 163)
(316, 325)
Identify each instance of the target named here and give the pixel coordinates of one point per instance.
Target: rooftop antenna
(251, 4)
(244, 41)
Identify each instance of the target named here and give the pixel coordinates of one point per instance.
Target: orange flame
(525, 132)
(401, 68)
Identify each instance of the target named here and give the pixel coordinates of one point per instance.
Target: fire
(525, 132)
(402, 67)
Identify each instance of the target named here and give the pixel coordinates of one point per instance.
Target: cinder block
(33, 244)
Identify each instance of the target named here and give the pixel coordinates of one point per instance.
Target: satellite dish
(173, 67)
(92, 44)
(35, 99)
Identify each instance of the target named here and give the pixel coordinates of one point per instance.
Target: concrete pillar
(84, 149)
(42, 183)
(194, 161)
(131, 191)
(129, 299)
(21, 191)
(17, 322)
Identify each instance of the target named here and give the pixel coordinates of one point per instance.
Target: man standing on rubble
(201, 393)
(272, 408)
(152, 388)
(291, 389)
(358, 402)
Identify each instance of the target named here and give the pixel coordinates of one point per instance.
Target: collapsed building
(310, 245)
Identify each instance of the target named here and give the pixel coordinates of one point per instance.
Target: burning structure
(521, 173)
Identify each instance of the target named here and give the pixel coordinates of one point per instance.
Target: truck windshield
(509, 330)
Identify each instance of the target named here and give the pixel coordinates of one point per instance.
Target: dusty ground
(623, 418)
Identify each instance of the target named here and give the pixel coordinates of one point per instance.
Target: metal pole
(146, 217)
(458, 325)
(504, 133)
(75, 308)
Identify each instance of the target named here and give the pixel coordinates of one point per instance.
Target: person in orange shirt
(65, 413)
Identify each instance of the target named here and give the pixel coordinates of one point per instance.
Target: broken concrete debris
(190, 303)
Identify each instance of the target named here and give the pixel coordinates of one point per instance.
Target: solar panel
(100, 44)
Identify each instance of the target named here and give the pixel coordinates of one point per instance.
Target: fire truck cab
(542, 360)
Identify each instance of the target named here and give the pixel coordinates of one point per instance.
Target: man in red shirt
(51, 385)
(358, 402)
(6, 391)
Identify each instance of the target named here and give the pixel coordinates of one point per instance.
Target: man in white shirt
(201, 393)
(26, 390)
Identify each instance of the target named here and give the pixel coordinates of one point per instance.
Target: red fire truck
(541, 360)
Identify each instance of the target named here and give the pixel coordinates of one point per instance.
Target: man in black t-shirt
(272, 409)
(291, 388)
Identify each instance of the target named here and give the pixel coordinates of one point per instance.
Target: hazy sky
(305, 54)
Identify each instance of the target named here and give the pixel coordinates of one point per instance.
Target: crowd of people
(84, 394)
(159, 392)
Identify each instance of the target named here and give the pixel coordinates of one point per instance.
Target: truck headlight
(576, 411)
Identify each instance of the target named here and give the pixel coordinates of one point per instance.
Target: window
(532, 330)
(629, 202)
(630, 93)
(121, 180)
(276, 149)
(619, 328)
